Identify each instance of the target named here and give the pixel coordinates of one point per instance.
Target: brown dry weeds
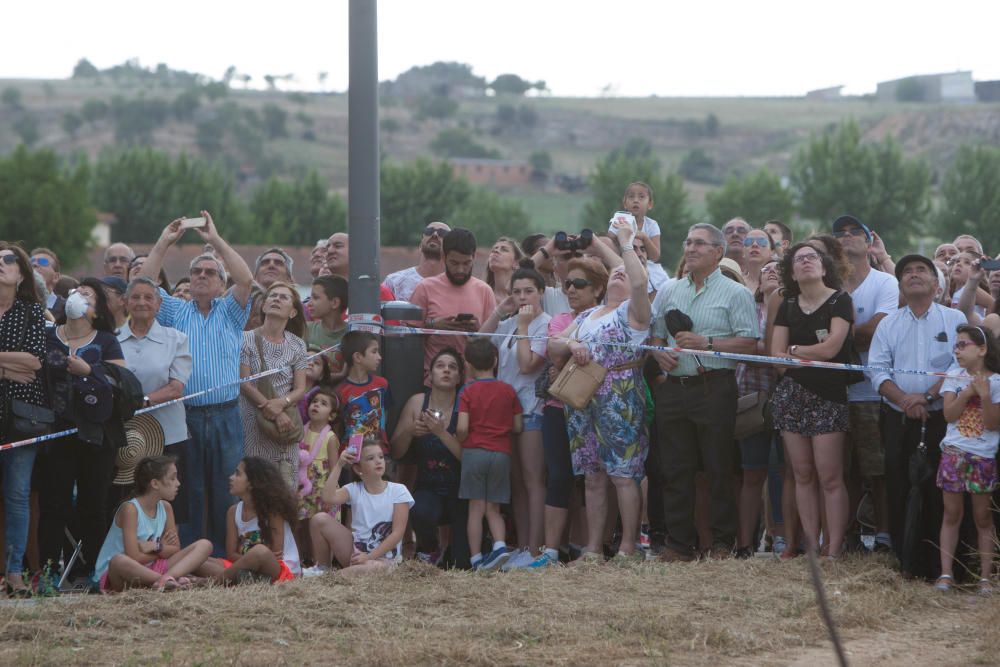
(737, 612)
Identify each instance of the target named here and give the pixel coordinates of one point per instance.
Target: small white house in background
(948, 87)
(825, 94)
(101, 233)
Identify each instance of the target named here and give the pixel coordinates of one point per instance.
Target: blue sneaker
(496, 559)
(545, 560)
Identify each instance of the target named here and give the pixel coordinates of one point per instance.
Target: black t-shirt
(806, 329)
(438, 471)
(103, 347)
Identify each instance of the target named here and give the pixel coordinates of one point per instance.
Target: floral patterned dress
(609, 435)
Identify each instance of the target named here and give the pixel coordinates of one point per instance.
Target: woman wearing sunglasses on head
(758, 250)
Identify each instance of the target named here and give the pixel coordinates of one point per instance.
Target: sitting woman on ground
(608, 437)
(810, 404)
(426, 432)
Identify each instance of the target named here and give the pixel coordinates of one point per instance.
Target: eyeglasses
(40, 261)
(272, 261)
(697, 243)
(807, 257)
(198, 271)
(769, 268)
(9, 259)
(117, 259)
(434, 231)
(850, 231)
(962, 344)
(742, 231)
(763, 243)
(578, 283)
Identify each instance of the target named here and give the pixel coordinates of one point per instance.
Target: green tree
(511, 84)
(145, 190)
(541, 162)
(85, 69)
(435, 106)
(185, 105)
(413, 195)
(911, 90)
(274, 120)
(26, 127)
(11, 97)
(135, 119)
(970, 196)
(45, 205)
(94, 110)
(455, 142)
(636, 162)
(698, 166)
(295, 213)
(757, 198)
(491, 216)
(836, 173)
(71, 122)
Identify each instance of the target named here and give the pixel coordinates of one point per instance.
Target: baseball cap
(845, 220)
(907, 259)
(115, 283)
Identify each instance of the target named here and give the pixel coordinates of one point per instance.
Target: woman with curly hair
(259, 528)
(813, 323)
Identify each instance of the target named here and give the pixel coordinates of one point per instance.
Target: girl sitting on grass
(141, 548)
(379, 512)
(260, 543)
(969, 448)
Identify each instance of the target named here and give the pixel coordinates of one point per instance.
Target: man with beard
(454, 301)
(402, 283)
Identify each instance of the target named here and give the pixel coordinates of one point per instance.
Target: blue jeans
(206, 460)
(16, 465)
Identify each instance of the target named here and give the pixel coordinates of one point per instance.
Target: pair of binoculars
(573, 242)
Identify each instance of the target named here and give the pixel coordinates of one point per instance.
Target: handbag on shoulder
(268, 427)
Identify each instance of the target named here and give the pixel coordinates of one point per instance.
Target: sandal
(944, 583)
(985, 587)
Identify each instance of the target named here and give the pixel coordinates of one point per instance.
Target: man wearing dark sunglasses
(402, 283)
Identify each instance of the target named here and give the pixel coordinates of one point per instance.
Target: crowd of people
(558, 423)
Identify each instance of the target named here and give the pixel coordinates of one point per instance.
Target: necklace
(809, 308)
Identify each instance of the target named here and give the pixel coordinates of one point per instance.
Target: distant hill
(262, 133)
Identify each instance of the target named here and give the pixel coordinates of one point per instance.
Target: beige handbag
(576, 385)
(753, 415)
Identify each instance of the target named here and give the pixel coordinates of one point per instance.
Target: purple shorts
(962, 472)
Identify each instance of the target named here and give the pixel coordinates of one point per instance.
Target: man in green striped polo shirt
(696, 396)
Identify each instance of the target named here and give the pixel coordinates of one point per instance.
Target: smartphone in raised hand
(191, 223)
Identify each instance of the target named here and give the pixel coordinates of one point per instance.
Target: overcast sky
(642, 47)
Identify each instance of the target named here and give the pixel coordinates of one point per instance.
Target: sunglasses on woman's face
(8, 259)
(763, 243)
(962, 344)
(578, 283)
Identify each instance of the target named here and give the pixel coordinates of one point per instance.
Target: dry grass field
(722, 612)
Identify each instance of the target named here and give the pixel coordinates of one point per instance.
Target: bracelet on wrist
(545, 253)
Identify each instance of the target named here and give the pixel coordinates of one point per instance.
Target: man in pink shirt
(454, 300)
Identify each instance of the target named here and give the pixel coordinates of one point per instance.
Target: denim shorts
(532, 421)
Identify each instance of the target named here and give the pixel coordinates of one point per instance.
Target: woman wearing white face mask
(76, 350)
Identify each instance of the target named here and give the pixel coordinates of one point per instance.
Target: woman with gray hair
(157, 355)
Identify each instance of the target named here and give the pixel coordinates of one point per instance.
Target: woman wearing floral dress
(608, 437)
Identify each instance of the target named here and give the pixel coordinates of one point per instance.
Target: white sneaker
(521, 559)
(314, 571)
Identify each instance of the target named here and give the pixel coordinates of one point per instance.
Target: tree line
(51, 201)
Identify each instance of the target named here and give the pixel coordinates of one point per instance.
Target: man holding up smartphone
(454, 301)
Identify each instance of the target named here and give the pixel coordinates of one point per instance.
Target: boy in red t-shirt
(489, 413)
(363, 395)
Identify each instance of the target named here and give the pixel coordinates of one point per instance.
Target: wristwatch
(710, 345)
(929, 397)
(145, 402)
(792, 349)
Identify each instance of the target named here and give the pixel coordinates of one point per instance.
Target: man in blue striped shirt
(213, 322)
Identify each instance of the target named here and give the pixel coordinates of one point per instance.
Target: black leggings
(558, 464)
(431, 510)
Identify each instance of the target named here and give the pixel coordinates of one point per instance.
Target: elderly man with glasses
(213, 321)
(402, 283)
(117, 259)
(735, 232)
